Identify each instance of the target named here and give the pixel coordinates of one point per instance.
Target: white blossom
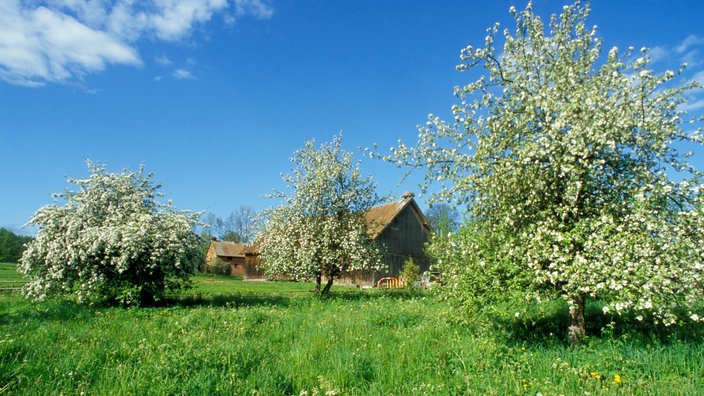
(110, 239)
(566, 173)
(321, 230)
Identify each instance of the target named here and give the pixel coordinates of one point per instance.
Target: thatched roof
(228, 249)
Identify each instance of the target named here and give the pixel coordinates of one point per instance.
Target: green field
(8, 272)
(237, 338)
(9, 277)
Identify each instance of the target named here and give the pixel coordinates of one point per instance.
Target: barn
(230, 253)
(400, 226)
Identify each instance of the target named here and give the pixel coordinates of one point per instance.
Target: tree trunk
(327, 286)
(318, 280)
(576, 326)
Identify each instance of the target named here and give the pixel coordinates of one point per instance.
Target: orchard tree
(320, 230)
(566, 160)
(110, 239)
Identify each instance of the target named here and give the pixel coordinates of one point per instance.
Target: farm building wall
(361, 278)
(228, 253)
(251, 269)
(405, 238)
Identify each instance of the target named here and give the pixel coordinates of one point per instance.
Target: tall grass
(278, 339)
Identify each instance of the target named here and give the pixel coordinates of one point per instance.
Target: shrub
(411, 272)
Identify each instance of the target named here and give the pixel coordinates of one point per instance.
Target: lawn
(232, 337)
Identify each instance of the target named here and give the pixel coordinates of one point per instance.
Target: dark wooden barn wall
(405, 237)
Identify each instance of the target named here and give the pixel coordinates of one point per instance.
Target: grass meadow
(232, 337)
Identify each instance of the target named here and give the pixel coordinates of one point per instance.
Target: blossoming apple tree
(319, 231)
(568, 162)
(110, 239)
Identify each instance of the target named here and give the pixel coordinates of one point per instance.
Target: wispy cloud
(182, 74)
(54, 41)
(693, 106)
(691, 41)
(689, 51)
(695, 98)
(255, 8)
(163, 60)
(699, 77)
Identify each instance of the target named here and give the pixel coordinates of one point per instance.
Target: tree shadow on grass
(377, 293)
(548, 326)
(50, 310)
(229, 300)
(285, 299)
(60, 309)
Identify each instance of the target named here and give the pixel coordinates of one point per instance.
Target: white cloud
(163, 61)
(695, 102)
(178, 73)
(173, 19)
(255, 8)
(688, 51)
(699, 77)
(42, 45)
(658, 54)
(182, 74)
(691, 41)
(48, 41)
(692, 106)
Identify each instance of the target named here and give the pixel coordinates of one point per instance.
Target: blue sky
(213, 96)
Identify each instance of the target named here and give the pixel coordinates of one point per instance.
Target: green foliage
(478, 275)
(232, 236)
(443, 218)
(110, 240)
(360, 343)
(11, 246)
(217, 266)
(320, 230)
(410, 272)
(568, 164)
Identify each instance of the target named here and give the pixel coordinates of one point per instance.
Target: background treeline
(238, 226)
(11, 245)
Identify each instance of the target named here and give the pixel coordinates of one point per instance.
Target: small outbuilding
(230, 253)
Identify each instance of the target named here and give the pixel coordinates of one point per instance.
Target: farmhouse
(400, 226)
(230, 253)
